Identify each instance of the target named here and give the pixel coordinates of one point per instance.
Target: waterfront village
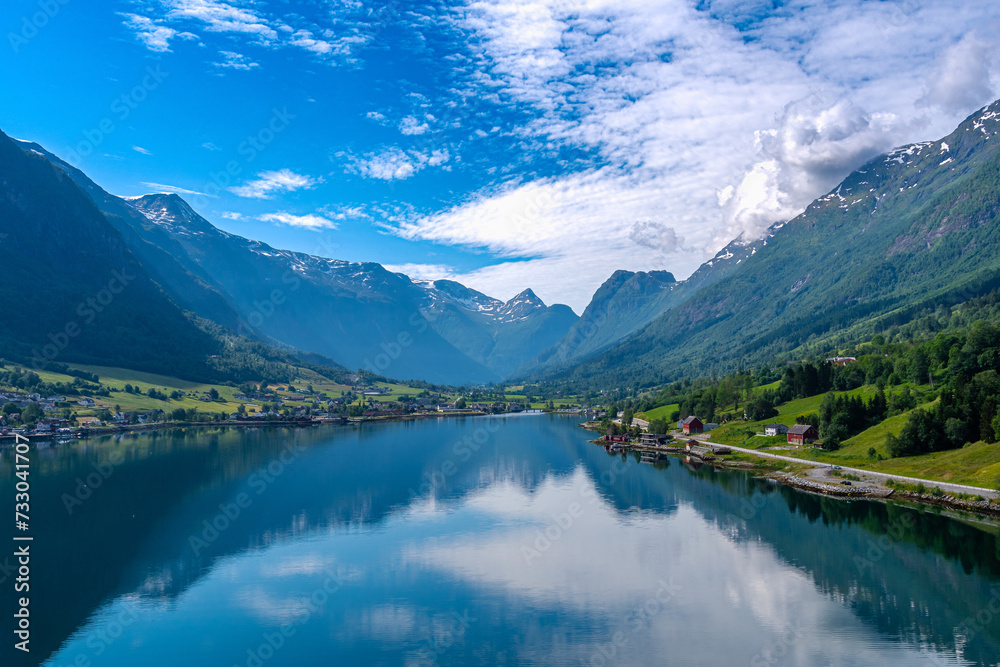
(87, 406)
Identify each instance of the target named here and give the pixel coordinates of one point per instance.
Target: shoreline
(857, 490)
(84, 433)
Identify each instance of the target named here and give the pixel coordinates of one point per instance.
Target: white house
(775, 429)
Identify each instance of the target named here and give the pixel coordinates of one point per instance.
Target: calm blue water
(476, 541)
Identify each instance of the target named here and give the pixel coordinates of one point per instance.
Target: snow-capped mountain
(911, 231)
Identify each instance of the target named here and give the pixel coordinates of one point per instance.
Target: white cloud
(410, 125)
(232, 215)
(423, 271)
(337, 42)
(311, 221)
(809, 152)
(237, 61)
(962, 79)
(156, 37)
(270, 183)
(396, 164)
(161, 187)
(208, 145)
(219, 16)
(140, 149)
(711, 123)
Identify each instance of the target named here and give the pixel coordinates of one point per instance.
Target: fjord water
(476, 541)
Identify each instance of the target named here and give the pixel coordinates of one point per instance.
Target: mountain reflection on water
(500, 540)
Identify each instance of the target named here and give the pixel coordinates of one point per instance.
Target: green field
(662, 412)
(976, 464)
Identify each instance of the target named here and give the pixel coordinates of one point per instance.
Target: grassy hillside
(907, 231)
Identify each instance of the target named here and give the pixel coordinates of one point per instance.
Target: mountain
(912, 230)
(502, 336)
(204, 293)
(627, 301)
(73, 289)
(356, 313)
(361, 314)
(157, 251)
(624, 303)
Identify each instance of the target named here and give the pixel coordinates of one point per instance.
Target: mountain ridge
(909, 226)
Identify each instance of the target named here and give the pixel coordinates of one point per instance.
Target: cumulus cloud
(270, 183)
(962, 79)
(311, 221)
(709, 121)
(656, 236)
(807, 153)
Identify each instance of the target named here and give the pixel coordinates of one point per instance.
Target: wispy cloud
(270, 183)
(394, 163)
(335, 42)
(423, 271)
(237, 61)
(311, 221)
(709, 121)
(156, 37)
(410, 125)
(216, 16)
(160, 187)
(140, 149)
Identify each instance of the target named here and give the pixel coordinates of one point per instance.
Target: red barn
(692, 425)
(802, 434)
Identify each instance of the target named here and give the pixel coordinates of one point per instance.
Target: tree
(11, 408)
(627, 417)
(32, 413)
(213, 394)
(919, 366)
(460, 403)
(659, 426)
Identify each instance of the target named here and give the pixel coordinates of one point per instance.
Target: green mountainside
(909, 231)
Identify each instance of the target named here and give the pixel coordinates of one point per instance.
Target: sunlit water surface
(473, 541)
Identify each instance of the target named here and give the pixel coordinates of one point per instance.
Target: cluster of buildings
(799, 434)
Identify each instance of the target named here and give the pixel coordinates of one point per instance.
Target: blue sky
(541, 143)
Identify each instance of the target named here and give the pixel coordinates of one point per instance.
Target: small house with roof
(802, 434)
(692, 425)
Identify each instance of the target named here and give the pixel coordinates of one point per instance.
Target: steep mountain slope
(628, 301)
(502, 336)
(918, 225)
(72, 289)
(358, 313)
(624, 303)
(361, 314)
(159, 254)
